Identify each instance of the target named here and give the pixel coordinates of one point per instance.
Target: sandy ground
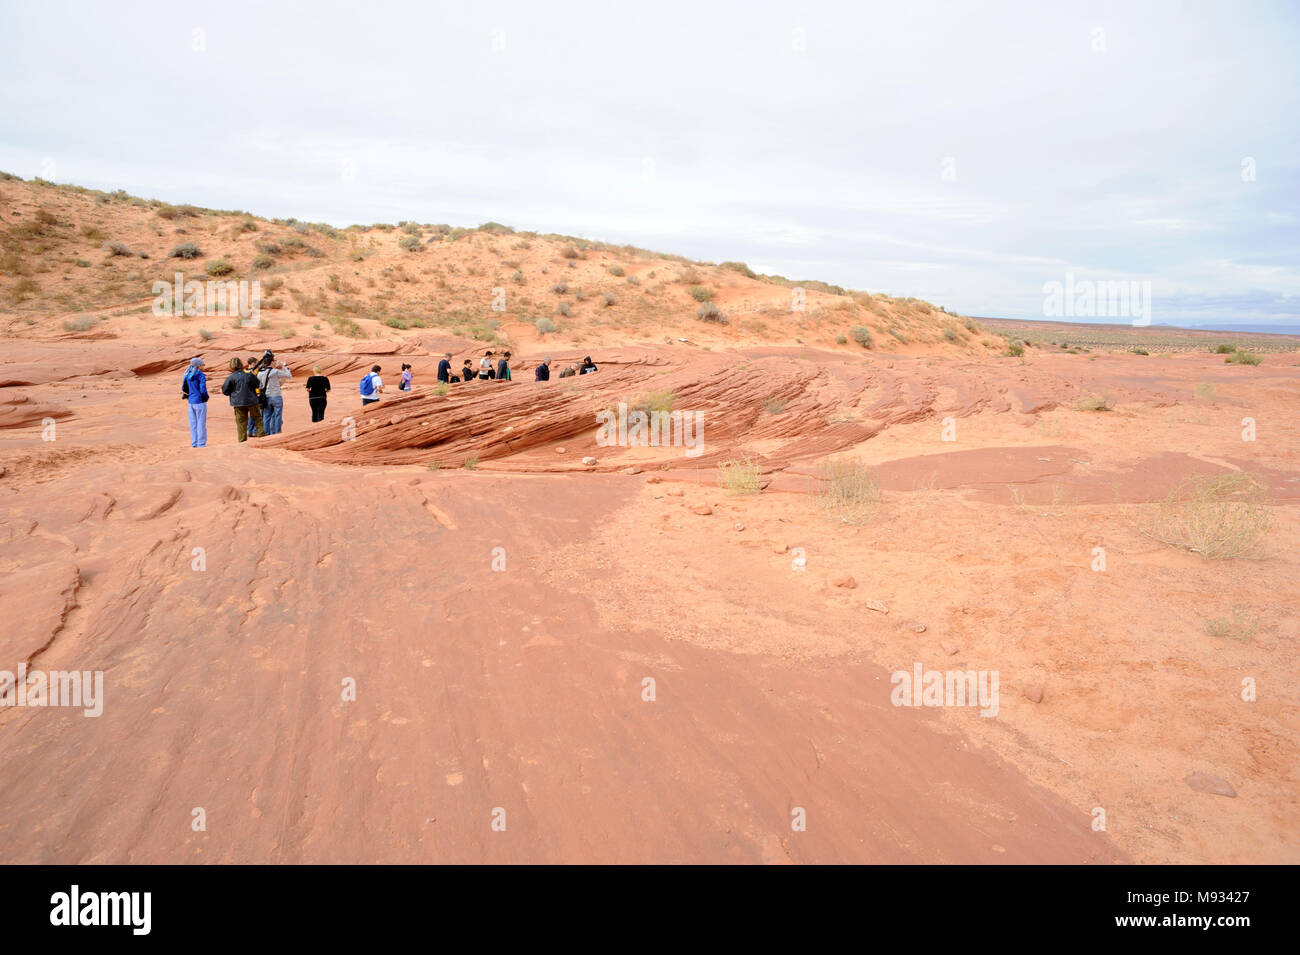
(501, 622)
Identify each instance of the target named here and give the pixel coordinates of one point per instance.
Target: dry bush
(1219, 516)
(739, 476)
(848, 491)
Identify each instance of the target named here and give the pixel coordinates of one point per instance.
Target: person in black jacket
(444, 368)
(503, 367)
(543, 372)
(318, 389)
(468, 373)
(241, 387)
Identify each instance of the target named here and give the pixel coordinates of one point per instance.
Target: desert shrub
(774, 405)
(1240, 626)
(545, 326)
(949, 335)
(570, 252)
(739, 476)
(563, 309)
(609, 299)
(633, 280)
(263, 262)
(117, 249)
(219, 267)
(186, 250)
(396, 323)
(616, 270)
(580, 295)
(559, 288)
(23, 288)
(412, 228)
(862, 335)
(847, 491)
(205, 334)
(1205, 390)
(740, 267)
(410, 243)
(970, 325)
(518, 277)
(662, 400)
(82, 264)
(269, 246)
(1243, 358)
(701, 294)
(709, 312)
(841, 339)
(167, 212)
(1219, 516)
(273, 284)
(1014, 350)
(471, 462)
(92, 233)
(1224, 349)
(79, 324)
(1139, 351)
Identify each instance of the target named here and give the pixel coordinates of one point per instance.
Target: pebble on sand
(875, 605)
(703, 509)
(1034, 693)
(847, 582)
(1205, 783)
(588, 461)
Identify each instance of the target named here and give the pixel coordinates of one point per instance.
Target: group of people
(254, 388)
(255, 392)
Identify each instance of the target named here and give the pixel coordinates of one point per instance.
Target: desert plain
(458, 626)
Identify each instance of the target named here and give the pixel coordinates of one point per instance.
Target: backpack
(368, 385)
(263, 399)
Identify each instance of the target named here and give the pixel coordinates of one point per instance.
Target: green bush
(1015, 349)
(1243, 358)
(219, 267)
(616, 270)
(862, 335)
(186, 250)
(263, 262)
(545, 326)
(701, 294)
(410, 243)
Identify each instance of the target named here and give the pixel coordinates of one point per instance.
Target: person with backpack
(194, 388)
(408, 378)
(318, 387)
(444, 368)
(250, 366)
(570, 372)
(372, 386)
(503, 367)
(241, 387)
(543, 371)
(273, 399)
(485, 365)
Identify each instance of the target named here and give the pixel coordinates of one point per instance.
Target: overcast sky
(962, 153)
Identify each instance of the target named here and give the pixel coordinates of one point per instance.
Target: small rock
(875, 605)
(951, 649)
(703, 509)
(654, 479)
(674, 492)
(779, 548)
(589, 461)
(559, 450)
(847, 582)
(918, 628)
(1205, 783)
(1034, 694)
(632, 470)
(740, 527)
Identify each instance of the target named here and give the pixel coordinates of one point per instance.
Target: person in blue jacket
(194, 388)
